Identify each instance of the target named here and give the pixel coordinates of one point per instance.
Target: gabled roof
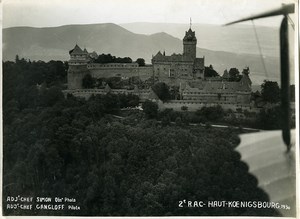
(172, 58)
(245, 82)
(158, 55)
(257, 93)
(76, 50)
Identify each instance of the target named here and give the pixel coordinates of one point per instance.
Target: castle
(180, 67)
(185, 71)
(80, 64)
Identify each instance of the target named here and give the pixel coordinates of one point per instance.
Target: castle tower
(189, 44)
(77, 67)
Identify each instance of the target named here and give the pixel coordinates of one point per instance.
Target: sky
(49, 13)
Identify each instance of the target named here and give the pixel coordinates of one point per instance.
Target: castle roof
(158, 55)
(172, 58)
(257, 93)
(76, 50)
(246, 81)
(190, 35)
(85, 51)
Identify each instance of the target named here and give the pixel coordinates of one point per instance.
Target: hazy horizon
(39, 14)
(125, 23)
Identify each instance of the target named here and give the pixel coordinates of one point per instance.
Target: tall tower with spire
(189, 43)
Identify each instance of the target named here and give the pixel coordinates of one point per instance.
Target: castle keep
(177, 67)
(77, 67)
(185, 71)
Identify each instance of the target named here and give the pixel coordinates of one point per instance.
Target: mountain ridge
(55, 42)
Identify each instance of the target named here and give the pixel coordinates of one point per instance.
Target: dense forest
(133, 166)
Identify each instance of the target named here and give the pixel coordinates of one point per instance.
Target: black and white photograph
(150, 108)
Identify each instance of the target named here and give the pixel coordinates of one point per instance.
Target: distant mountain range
(53, 43)
(235, 38)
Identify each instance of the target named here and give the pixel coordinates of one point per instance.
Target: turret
(246, 82)
(77, 67)
(189, 44)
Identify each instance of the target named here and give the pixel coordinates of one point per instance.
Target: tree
(51, 96)
(113, 82)
(270, 119)
(123, 60)
(162, 91)
(140, 61)
(184, 108)
(128, 100)
(129, 167)
(270, 91)
(150, 109)
(215, 113)
(178, 121)
(88, 81)
(108, 58)
(234, 74)
(103, 58)
(165, 121)
(56, 72)
(210, 72)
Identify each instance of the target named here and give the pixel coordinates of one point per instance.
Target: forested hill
(136, 166)
(53, 43)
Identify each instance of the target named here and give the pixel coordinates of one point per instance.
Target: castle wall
(120, 70)
(84, 93)
(164, 70)
(113, 72)
(75, 76)
(243, 97)
(196, 105)
(215, 97)
(192, 105)
(145, 72)
(87, 93)
(210, 97)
